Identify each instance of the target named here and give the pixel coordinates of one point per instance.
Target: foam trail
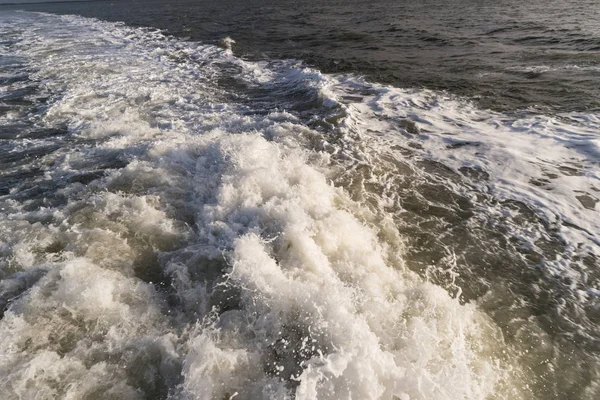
(501, 209)
(186, 246)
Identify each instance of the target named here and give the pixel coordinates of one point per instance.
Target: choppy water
(506, 55)
(290, 219)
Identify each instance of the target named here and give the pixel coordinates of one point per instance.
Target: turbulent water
(181, 222)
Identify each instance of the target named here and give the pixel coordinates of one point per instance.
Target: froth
(209, 256)
(502, 209)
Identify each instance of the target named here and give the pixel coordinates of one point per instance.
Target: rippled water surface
(366, 200)
(506, 54)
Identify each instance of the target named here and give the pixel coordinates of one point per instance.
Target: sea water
(179, 221)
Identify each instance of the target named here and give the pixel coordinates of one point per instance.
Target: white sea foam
(548, 162)
(213, 258)
(534, 177)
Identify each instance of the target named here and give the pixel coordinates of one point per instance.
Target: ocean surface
(300, 200)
